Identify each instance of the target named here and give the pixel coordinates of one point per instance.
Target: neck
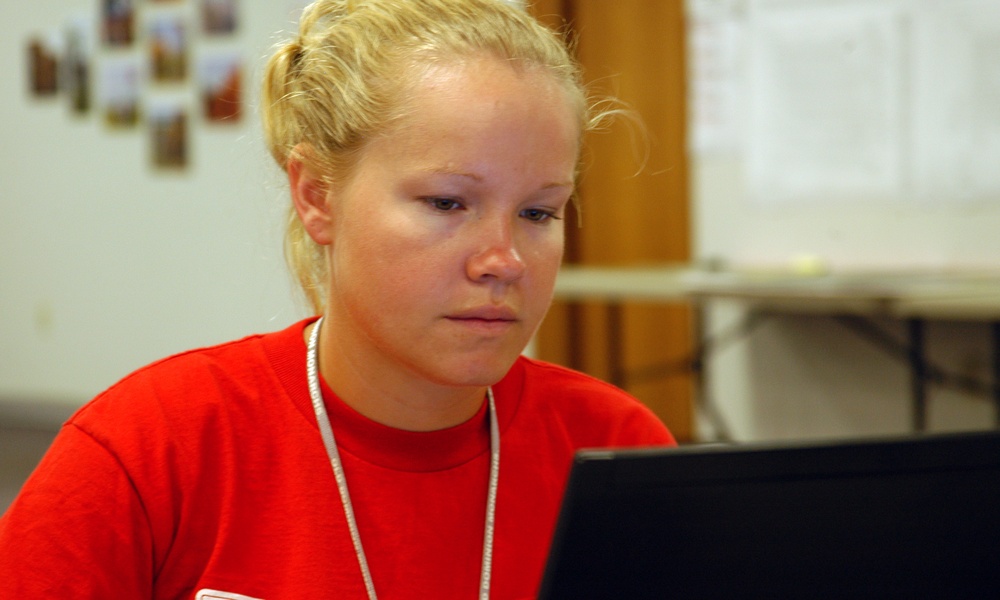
(394, 397)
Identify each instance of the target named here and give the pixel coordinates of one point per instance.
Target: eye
(538, 215)
(443, 204)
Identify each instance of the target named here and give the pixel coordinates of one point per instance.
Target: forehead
(461, 103)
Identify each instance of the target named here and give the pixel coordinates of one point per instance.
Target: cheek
(548, 248)
(388, 262)
(367, 234)
(543, 263)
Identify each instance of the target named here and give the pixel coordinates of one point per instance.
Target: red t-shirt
(206, 471)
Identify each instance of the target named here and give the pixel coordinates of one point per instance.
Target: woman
(399, 445)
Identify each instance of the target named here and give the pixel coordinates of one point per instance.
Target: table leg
(616, 350)
(575, 335)
(995, 329)
(918, 374)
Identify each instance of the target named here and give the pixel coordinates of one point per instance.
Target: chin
(477, 373)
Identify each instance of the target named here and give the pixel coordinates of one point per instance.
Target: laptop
(907, 517)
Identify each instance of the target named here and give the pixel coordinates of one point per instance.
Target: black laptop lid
(896, 518)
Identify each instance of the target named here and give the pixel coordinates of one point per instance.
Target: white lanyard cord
(326, 432)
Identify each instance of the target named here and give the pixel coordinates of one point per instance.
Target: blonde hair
(340, 83)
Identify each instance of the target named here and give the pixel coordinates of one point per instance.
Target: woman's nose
(497, 256)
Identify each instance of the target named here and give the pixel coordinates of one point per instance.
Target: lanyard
(326, 432)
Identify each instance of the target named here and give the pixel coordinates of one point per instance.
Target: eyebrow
(479, 179)
(454, 173)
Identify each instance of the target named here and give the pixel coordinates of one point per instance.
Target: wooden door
(633, 198)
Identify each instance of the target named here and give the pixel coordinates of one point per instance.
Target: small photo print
(43, 67)
(220, 78)
(218, 16)
(118, 22)
(119, 87)
(168, 125)
(168, 48)
(76, 65)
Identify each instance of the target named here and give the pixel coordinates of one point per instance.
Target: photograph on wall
(76, 65)
(218, 16)
(168, 48)
(118, 22)
(118, 91)
(168, 126)
(43, 66)
(220, 86)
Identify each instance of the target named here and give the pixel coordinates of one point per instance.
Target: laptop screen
(907, 517)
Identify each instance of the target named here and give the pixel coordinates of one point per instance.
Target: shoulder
(192, 384)
(584, 405)
(562, 384)
(179, 373)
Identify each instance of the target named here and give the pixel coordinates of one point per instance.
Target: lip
(485, 313)
(486, 319)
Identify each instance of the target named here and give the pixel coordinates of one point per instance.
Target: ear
(309, 197)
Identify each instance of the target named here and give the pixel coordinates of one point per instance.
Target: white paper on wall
(826, 95)
(716, 53)
(956, 101)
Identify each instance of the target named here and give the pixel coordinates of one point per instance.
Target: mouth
(485, 313)
(487, 319)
